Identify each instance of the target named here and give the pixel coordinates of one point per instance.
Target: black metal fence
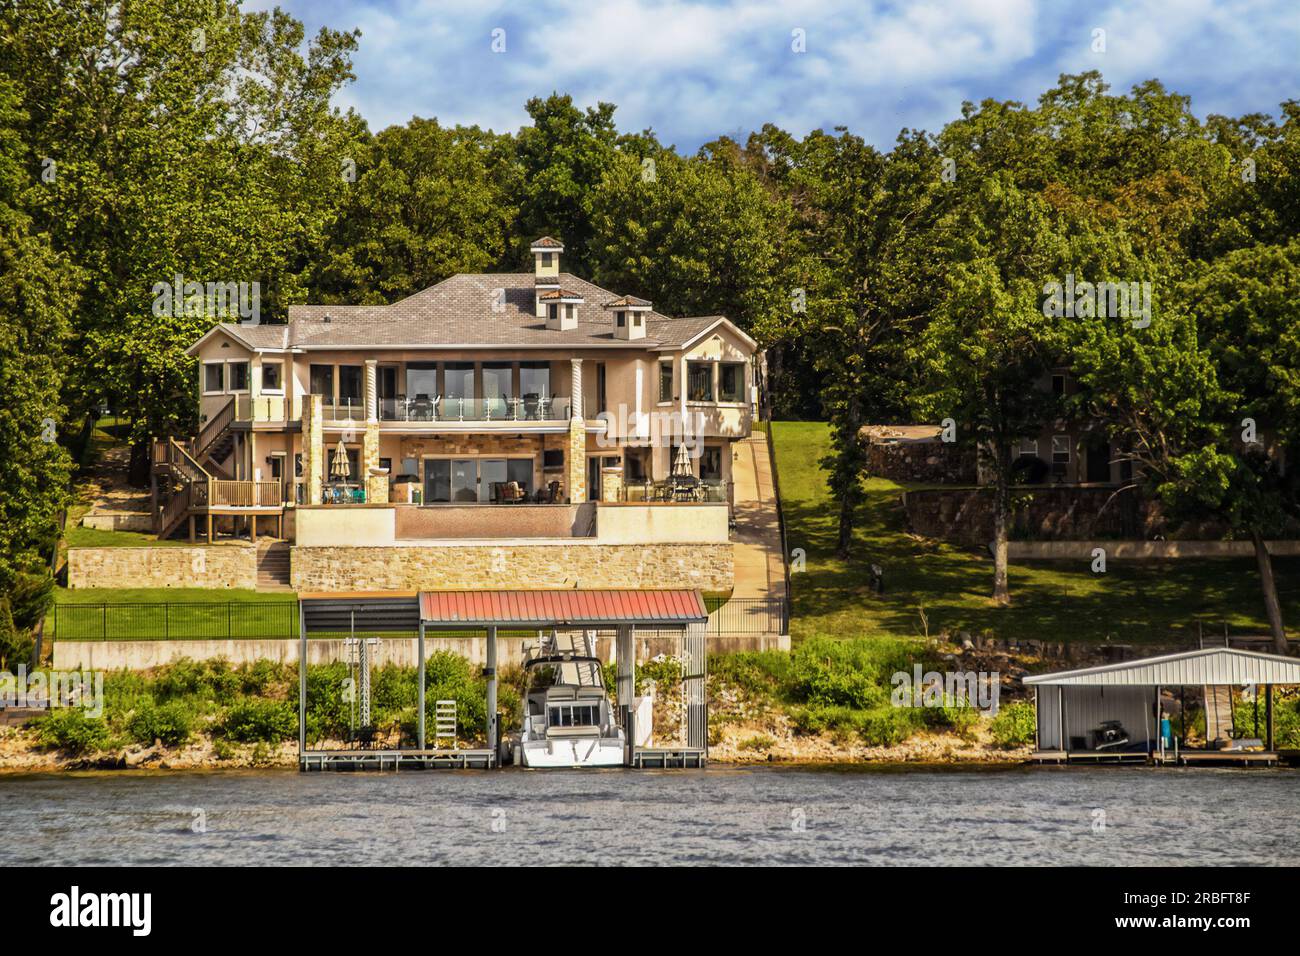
(228, 620)
(278, 620)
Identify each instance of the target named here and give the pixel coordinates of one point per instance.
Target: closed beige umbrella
(339, 467)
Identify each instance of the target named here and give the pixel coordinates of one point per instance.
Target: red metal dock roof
(547, 608)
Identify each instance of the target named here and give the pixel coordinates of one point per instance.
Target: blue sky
(696, 70)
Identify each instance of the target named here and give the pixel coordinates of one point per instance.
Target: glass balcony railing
(425, 408)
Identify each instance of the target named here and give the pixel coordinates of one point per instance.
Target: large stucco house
(466, 409)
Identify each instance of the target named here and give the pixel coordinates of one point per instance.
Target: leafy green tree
(428, 202)
(38, 294)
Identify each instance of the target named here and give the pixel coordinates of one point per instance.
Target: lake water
(1040, 816)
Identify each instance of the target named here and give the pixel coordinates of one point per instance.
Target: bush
(210, 680)
(31, 595)
(260, 676)
(170, 723)
(760, 742)
(15, 646)
(756, 673)
(70, 730)
(252, 721)
(1015, 724)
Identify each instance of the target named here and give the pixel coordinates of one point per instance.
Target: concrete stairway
(273, 565)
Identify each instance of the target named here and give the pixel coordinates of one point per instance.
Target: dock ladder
(444, 722)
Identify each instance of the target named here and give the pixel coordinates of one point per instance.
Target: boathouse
(1117, 712)
(353, 623)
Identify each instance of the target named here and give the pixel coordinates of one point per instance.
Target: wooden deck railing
(244, 494)
(215, 425)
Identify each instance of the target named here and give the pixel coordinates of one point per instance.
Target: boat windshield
(573, 715)
(581, 673)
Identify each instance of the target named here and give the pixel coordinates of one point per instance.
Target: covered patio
(359, 619)
(1120, 712)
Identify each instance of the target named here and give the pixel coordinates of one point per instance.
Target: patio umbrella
(682, 463)
(339, 467)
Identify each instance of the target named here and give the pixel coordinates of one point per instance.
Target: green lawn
(156, 613)
(79, 537)
(168, 596)
(1051, 601)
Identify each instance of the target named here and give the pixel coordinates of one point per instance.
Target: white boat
(568, 721)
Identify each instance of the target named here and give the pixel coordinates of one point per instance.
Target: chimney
(629, 317)
(546, 269)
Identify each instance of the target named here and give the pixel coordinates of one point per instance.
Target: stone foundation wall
(709, 567)
(221, 566)
(938, 463)
(1048, 514)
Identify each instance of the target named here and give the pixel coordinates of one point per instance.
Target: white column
(372, 390)
(575, 388)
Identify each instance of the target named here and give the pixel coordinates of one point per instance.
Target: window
(1060, 449)
(1058, 384)
(350, 385)
(277, 467)
(574, 715)
(421, 380)
(699, 381)
(214, 379)
(570, 311)
(711, 463)
(636, 320)
(546, 258)
(665, 381)
(600, 387)
(620, 319)
(297, 466)
(322, 382)
(238, 376)
(534, 380)
(1029, 447)
(386, 464)
(459, 380)
(731, 381)
(552, 311)
(272, 376)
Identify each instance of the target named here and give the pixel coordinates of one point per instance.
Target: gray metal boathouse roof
(1210, 665)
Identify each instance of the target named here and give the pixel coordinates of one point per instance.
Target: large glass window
(699, 381)
(214, 377)
(437, 479)
(350, 385)
(322, 382)
(421, 380)
(272, 376)
(520, 471)
(239, 376)
(665, 381)
(459, 378)
(731, 381)
(498, 388)
(535, 380)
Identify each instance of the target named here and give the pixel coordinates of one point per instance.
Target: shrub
(30, 598)
(258, 677)
(15, 646)
(170, 723)
(211, 680)
(756, 673)
(1015, 724)
(759, 742)
(254, 720)
(70, 730)
(887, 726)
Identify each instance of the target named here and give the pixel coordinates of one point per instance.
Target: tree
(38, 294)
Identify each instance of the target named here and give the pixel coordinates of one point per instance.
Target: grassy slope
(1054, 601)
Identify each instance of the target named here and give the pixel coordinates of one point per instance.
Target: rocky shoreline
(21, 753)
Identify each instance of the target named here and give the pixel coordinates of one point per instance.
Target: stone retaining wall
(220, 566)
(922, 462)
(580, 564)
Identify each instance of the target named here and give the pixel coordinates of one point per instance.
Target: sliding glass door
(477, 480)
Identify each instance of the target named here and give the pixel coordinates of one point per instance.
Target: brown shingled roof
(493, 310)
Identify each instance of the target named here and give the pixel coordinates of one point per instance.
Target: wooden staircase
(273, 566)
(190, 480)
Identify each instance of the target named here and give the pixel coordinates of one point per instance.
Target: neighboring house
(485, 389)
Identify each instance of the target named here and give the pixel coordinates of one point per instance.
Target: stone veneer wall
(1046, 513)
(929, 462)
(709, 567)
(221, 566)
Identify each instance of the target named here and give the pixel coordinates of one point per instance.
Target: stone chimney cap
(546, 244)
(629, 302)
